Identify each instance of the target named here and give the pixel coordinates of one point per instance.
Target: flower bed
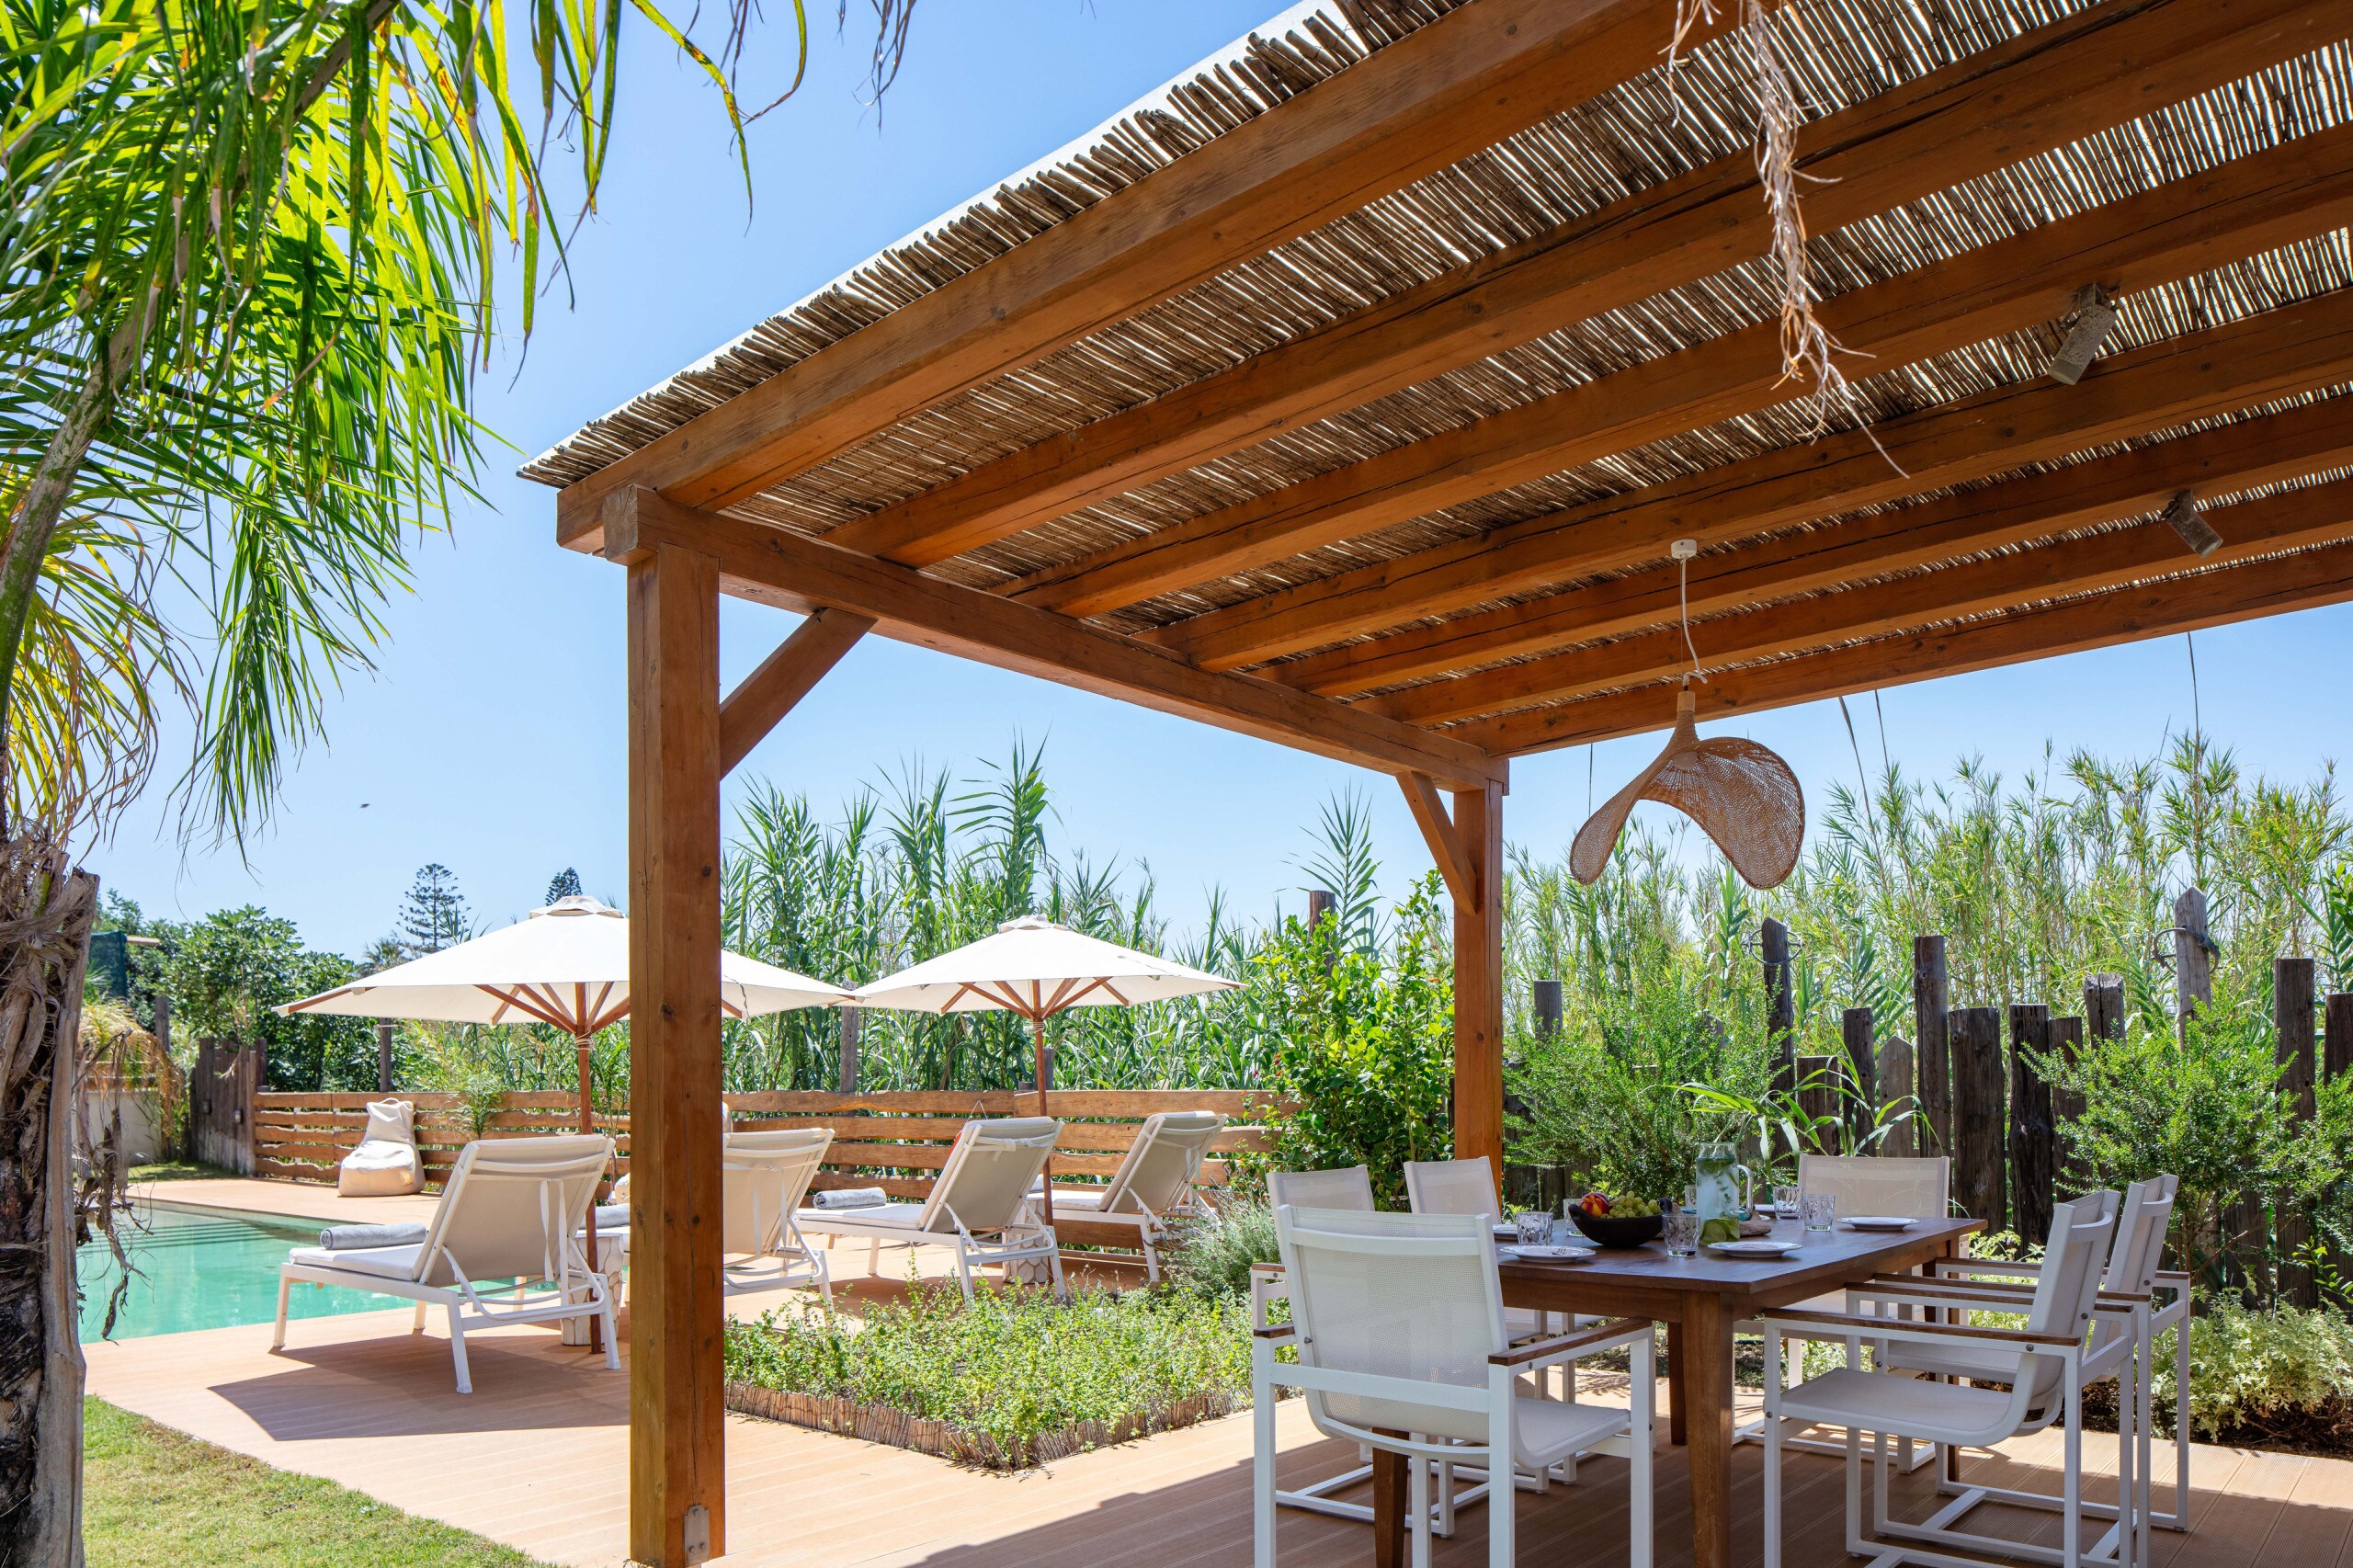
(1013, 1380)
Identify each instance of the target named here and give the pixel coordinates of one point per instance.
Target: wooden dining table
(1699, 1299)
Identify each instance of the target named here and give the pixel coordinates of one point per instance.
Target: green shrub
(1215, 1254)
(1011, 1364)
(1366, 1057)
(2248, 1369)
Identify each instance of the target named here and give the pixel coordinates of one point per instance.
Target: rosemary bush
(1014, 1364)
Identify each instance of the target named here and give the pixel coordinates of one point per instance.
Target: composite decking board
(537, 1459)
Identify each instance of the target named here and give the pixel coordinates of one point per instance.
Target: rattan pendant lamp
(1743, 795)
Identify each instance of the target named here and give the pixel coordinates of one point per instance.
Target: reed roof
(2187, 156)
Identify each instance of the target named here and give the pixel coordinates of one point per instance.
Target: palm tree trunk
(34, 524)
(46, 915)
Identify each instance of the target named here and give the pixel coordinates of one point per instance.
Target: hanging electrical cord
(1683, 550)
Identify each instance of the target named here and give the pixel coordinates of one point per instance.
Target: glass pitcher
(1725, 1187)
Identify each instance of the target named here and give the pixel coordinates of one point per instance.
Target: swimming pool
(205, 1268)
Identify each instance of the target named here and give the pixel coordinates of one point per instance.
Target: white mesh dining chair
(1898, 1187)
(2120, 1347)
(2040, 1364)
(1398, 1321)
(1348, 1187)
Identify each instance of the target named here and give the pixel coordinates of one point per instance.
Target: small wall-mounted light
(2181, 514)
(2094, 318)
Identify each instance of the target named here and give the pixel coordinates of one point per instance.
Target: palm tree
(248, 262)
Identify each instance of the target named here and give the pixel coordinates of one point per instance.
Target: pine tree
(565, 885)
(433, 915)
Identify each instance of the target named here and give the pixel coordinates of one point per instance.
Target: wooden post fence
(2104, 1007)
(384, 1032)
(2033, 1165)
(2291, 1013)
(846, 1074)
(1862, 1070)
(1895, 1071)
(2066, 1104)
(1815, 1096)
(2193, 961)
(1781, 1006)
(1931, 999)
(1975, 1035)
(2335, 1057)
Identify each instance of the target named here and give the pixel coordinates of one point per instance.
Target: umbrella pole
(588, 1124)
(1038, 1035)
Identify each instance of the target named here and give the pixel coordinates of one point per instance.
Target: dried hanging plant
(1808, 351)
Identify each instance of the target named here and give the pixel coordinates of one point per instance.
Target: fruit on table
(1600, 1205)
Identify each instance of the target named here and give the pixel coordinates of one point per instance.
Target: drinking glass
(1821, 1210)
(1785, 1201)
(1682, 1231)
(1535, 1227)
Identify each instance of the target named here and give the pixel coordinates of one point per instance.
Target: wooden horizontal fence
(303, 1136)
(897, 1140)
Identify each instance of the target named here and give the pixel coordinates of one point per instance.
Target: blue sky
(489, 737)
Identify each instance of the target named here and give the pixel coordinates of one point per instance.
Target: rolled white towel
(348, 1238)
(849, 1197)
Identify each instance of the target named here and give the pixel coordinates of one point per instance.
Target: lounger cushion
(1070, 1200)
(385, 1263)
(908, 1216)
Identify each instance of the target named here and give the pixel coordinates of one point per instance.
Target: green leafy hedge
(1012, 1366)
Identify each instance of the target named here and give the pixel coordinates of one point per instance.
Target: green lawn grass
(155, 1498)
(177, 1170)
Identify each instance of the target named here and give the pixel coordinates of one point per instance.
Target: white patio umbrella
(567, 965)
(1036, 969)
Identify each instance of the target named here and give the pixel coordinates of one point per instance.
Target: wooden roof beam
(2253, 204)
(2081, 75)
(2305, 580)
(1430, 101)
(803, 575)
(1641, 607)
(2315, 515)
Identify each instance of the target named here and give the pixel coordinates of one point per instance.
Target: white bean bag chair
(385, 1164)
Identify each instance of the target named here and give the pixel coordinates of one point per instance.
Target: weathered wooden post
(2104, 1007)
(845, 1073)
(2291, 1013)
(2032, 1166)
(1931, 999)
(1855, 1031)
(1547, 1006)
(2335, 1057)
(384, 1055)
(1780, 1004)
(1895, 1071)
(2066, 1104)
(1975, 1034)
(2193, 956)
(1817, 1098)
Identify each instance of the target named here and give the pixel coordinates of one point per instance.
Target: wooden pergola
(1349, 393)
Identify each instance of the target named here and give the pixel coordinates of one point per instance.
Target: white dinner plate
(1759, 1248)
(1881, 1222)
(1554, 1255)
(1507, 1232)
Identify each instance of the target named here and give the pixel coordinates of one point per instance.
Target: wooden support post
(1429, 806)
(1931, 1000)
(2336, 1043)
(1862, 1074)
(384, 1032)
(846, 1078)
(1546, 1003)
(2066, 1104)
(2292, 1013)
(1976, 1037)
(1781, 1015)
(1319, 906)
(1896, 1087)
(1479, 980)
(677, 1485)
(2033, 1168)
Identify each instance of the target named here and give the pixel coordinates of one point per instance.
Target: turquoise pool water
(204, 1268)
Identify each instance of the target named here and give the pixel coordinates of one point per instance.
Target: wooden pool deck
(536, 1457)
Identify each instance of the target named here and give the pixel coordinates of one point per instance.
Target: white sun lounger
(764, 1176)
(511, 1211)
(1154, 1181)
(981, 1205)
